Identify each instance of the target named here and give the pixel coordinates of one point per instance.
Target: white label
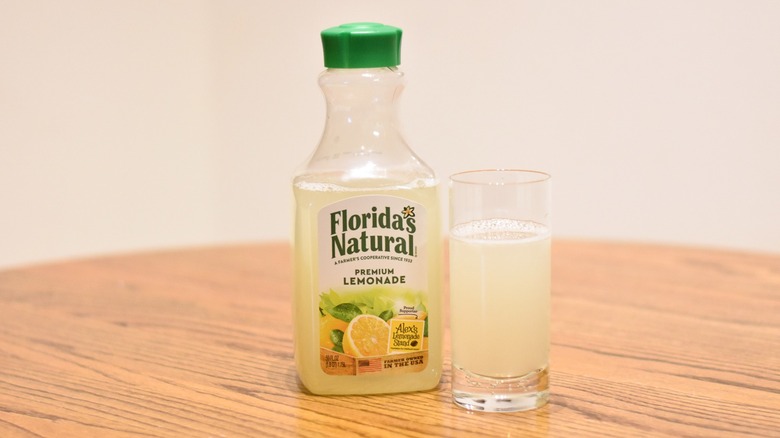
(372, 240)
(373, 281)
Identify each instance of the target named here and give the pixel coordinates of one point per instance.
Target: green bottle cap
(361, 45)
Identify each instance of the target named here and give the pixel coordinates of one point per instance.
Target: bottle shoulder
(348, 169)
(334, 182)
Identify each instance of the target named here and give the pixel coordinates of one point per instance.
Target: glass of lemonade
(500, 289)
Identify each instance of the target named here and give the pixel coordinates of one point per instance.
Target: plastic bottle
(367, 299)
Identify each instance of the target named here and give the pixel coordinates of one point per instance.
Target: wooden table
(646, 341)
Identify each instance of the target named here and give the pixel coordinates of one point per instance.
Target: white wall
(138, 124)
(106, 127)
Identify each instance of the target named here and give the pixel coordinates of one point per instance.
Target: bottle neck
(361, 109)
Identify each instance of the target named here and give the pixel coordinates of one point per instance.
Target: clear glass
(500, 289)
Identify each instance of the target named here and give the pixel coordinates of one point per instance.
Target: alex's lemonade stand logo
(373, 315)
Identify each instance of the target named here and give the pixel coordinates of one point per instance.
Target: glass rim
(535, 176)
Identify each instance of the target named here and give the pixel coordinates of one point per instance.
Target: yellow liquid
(500, 297)
(310, 198)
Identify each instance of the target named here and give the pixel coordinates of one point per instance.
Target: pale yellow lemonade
(500, 297)
(311, 198)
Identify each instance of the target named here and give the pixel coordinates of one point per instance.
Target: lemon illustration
(366, 335)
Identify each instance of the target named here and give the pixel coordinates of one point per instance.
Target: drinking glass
(500, 289)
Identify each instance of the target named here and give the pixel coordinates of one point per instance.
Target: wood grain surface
(647, 341)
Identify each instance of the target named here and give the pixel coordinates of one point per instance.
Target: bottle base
(368, 385)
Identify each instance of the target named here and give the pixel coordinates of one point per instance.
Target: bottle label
(373, 281)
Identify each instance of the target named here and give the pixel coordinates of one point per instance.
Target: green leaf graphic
(386, 315)
(346, 311)
(336, 336)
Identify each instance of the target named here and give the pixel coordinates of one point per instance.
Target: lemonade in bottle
(367, 291)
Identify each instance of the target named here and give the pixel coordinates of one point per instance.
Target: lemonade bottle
(367, 293)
